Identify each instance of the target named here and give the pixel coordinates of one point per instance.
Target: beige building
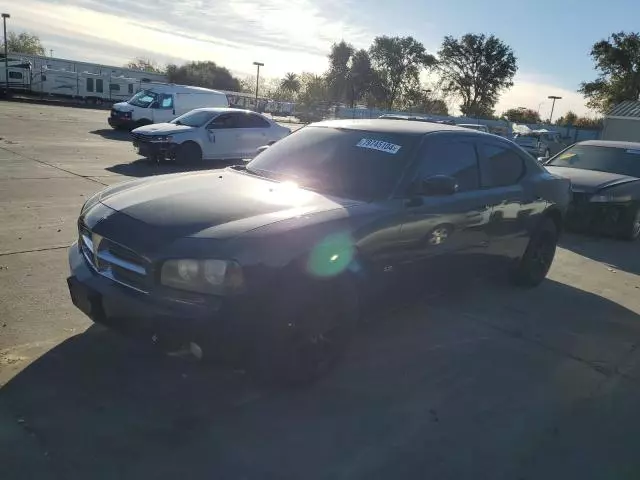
(623, 122)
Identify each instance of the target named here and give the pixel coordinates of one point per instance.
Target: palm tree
(290, 83)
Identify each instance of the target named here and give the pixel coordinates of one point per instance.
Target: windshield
(349, 163)
(194, 118)
(603, 159)
(143, 98)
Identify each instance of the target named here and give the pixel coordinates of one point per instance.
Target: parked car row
(540, 143)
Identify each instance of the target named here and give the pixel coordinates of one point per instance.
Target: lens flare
(331, 256)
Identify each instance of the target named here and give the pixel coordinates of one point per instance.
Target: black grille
(113, 260)
(580, 198)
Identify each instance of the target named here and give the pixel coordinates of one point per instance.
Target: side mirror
(438, 185)
(542, 159)
(261, 149)
(154, 105)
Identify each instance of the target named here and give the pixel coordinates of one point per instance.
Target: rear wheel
(631, 228)
(188, 153)
(534, 265)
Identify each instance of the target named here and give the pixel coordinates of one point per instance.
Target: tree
(522, 115)
(203, 74)
(24, 42)
(476, 68)
(587, 122)
(146, 65)
(618, 61)
(398, 62)
(290, 83)
(567, 119)
(361, 76)
(338, 78)
(313, 90)
(435, 106)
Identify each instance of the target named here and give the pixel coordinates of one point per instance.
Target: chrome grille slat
(114, 261)
(108, 257)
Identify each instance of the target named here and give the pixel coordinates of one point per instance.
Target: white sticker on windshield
(635, 152)
(380, 145)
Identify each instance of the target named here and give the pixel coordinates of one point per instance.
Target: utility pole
(6, 53)
(554, 98)
(258, 65)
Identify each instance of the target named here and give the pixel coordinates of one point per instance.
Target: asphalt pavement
(476, 380)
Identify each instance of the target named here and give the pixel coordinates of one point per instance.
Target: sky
(551, 39)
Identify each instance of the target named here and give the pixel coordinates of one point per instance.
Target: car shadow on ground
(112, 134)
(146, 168)
(618, 254)
(481, 368)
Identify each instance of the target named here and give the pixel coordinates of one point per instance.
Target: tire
(631, 227)
(321, 329)
(534, 265)
(189, 153)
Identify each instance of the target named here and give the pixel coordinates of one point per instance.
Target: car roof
(394, 126)
(611, 144)
(471, 125)
(172, 87)
(224, 110)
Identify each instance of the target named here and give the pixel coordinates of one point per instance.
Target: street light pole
(6, 54)
(258, 65)
(554, 98)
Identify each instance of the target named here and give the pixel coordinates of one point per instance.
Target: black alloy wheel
(538, 257)
(319, 335)
(631, 228)
(189, 153)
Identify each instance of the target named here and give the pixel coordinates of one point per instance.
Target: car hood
(123, 107)
(216, 204)
(162, 129)
(590, 181)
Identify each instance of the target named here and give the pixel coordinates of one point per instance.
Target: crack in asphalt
(44, 249)
(86, 177)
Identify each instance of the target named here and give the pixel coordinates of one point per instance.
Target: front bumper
(221, 326)
(604, 218)
(121, 122)
(162, 150)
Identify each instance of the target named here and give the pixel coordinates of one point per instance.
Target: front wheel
(534, 265)
(319, 332)
(631, 228)
(188, 153)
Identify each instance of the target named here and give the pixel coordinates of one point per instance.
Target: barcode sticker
(379, 145)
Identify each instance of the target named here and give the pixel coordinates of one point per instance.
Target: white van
(160, 103)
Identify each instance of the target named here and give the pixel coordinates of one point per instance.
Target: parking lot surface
(478, 380)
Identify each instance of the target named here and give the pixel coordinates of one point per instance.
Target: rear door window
(99, 85)
(89, 84)
(454, 158)
(500, 165)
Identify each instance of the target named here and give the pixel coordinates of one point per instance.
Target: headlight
(161, 139)
(91, 201)
(204, 276)
(610, 198)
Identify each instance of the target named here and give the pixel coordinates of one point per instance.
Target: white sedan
(208, 133)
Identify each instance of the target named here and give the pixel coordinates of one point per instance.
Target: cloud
(284, 35)
(531, 91)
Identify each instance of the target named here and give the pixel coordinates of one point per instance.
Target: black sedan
(270, 264)
(605, 177)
